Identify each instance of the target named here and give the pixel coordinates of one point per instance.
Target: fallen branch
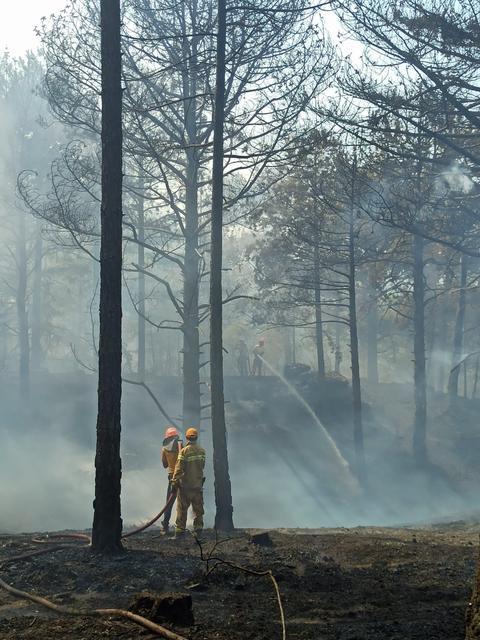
(93, 613)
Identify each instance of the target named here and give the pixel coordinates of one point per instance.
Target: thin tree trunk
(223, 491)
(191, 341)
(318, 313)
(420, 425)
(294, 345)
(338, 350)
(107, 521)
(458, 331)
(191, 285)
(141, 278)
(36, 350)
(372, 340)
(475, 379)
(356, 385)
(431, 345)
(441, 348)
(22, 313)
(288, 345)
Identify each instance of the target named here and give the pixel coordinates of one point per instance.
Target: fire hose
(88, 539)
(99, 613)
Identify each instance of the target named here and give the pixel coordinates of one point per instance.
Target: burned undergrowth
(350, 584)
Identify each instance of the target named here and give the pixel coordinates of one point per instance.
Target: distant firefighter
(172, 446)
(188, 480)
(258, 352)
(243, 361)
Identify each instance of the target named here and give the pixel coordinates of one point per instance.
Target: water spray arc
(332, 445)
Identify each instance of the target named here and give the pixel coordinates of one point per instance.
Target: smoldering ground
(282, 473)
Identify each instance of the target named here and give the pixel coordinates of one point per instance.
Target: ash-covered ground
(336, 584)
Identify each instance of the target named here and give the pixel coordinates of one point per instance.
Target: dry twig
(218, 562)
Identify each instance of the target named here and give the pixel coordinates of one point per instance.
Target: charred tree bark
(420, 382)
(141, 278)
(458, 331)
(191, 283)
(22, 312)
(223, 491)
(356, 384)
(107, 521)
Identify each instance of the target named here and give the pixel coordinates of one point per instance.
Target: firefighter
(243, 363)
(172, 445)
(188, 480)
(258, 352)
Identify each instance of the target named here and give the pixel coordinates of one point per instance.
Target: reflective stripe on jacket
(190, 466)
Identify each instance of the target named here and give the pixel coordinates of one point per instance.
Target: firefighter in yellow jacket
(188, 479)
(172, 445)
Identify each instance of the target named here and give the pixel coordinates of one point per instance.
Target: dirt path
(357, 584)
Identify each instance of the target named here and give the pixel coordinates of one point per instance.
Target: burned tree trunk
(420, 382)
(318, 314)
(191, 283)
(223, 491)
(107, 521)
(22, 313)
(338, 349)
(372, 335)
(441, 342)
(356, 385)
(475, 378)
(141, 278)
(458, 332)
(191, 339)
(36, 322)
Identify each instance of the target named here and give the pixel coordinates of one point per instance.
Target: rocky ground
(357, 584)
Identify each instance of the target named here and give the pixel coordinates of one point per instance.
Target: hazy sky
(18, 19)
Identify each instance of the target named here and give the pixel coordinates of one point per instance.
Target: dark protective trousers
(168, 513)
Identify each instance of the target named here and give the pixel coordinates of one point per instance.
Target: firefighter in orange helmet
(172, 445)
(188, 479)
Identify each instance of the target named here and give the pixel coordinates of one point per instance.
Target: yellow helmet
(192, 434)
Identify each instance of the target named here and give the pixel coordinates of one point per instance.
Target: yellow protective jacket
(170, 450)
(189, 468)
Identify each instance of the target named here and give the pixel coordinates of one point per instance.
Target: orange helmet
(192, 434)
(170, 432)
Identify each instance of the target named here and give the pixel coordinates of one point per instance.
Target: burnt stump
(164, 607)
